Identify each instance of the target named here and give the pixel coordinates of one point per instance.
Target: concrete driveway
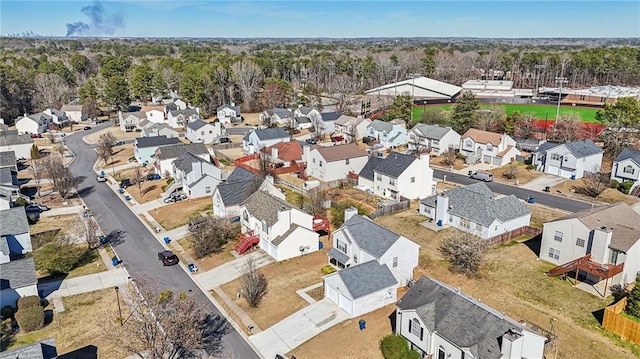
(297, 328)
(232, 270)
(545, 179)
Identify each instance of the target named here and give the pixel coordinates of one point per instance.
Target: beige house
(332, 163)
(352, 128)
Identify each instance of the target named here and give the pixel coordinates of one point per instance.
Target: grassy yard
(570, 188)
(540, 111)
(540, 215)
(65, 224)
(212, 260)
(178, 214)
(523, 175)
(284, 279)
(121, 155)
(458, 163)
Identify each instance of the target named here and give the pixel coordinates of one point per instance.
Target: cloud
(101, 21)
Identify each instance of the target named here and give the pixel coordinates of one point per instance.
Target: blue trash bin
(167, 240)
(531, 200)
(439, 223)
(127, 198)
(362, 324)
(102, 173)
(320, 245)
(115, 261)
(121, 190)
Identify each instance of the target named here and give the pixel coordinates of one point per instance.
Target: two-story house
(283, 153)
(334, 162)
(596, 244)
(441, 322)
(144, 148)
(59, 118)
(308, 112)
(276, 115)
(352, 128)
(19, 144)
(165, 156)
(433, 139)
(155, 113)
(329, 121)
(237, 187)
(398, 175)
(197, 176)
(15, 240)
(488, 147)
(255, 140)
(33, 124)
(229, 113)
(158, 129)
(284, 231)
(180, 118)
(389, 134)
(626, 166)
(200, 131)
(172, 104)
(475, 209)
(569, 160)
(73, 112)
(130, 121)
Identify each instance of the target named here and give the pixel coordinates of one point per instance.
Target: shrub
(625, 187)
(8, 312)
(366, 140)
(30, 319)
(531, 167)
(29, 302)
(633, 300)
(396, 347)
(58, 257)
(337, 212)
(328, 269)
(21, 202)
(614, 184)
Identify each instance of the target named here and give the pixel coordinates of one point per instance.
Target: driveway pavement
(84, 284)
(229, 271)
(299, 327)
(545, 179)
(59, 211)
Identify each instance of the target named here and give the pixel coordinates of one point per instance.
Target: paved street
(139, 247)
(570, 205)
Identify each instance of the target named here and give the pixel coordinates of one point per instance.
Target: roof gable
(287, 151)
(395, 164)
(330, 116)
(14, 221)
(270, 133)
(366, 278)
(484, 137)
(432, 132)
(369, 236)
(265, 207)
(583, 148)
(175, 151)
(630, 154)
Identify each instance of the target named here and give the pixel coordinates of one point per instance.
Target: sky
(337, 19)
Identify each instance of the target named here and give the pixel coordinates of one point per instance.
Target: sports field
(541, 112)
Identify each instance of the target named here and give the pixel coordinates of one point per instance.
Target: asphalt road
(546, 199)
(139, 247)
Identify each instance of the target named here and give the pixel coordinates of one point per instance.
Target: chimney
(274, 153)
(442, 207)
(269, 178)
(350, 212)
(233, 104)
(305, 153)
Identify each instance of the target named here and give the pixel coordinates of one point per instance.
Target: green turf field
(540, 111)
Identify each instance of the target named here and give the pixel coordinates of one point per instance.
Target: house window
(320, 163)
(245, 216)
(395, 262)
(468, 143)
(415, 328)
(202, 133)
(450, 219)
(342, 247)
(412, 137)
(313, 160)
(489, 147)
(412, 180)
(207, 189)
(265, 228)
(355, 259)
(556, 157)
(554, 253)
(478, 227)
(613, 259)
(558, 236)
(346, 162)
(580, 242)
(628, 169)
(392, 181)
(441, 353)
(379, 177)
(465, 224)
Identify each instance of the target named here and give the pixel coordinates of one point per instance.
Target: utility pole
(395, 87)
(538, 68)
(413, 76)
(560, 80)
(119, 309)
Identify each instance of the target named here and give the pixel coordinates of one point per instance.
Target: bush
(8, 312)
(396, 347)
(337, 212)
(30, 319)
(29, 302)
(624, 187)
(328, 269)
(614, 184)
(366, 140)
(21, 202)
(58, 258)
(531, 167)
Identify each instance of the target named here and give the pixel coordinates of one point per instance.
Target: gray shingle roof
(269, 133)
(369, 236)
(196, 125)
(478, 204)
(45, 349)
(281, 112)
(186, 112)
(234, 108)
(185, 162)
(394, 164)
(583, 148)
(432, 132)
(7, 159)
(264, 206)
(239, 174)
(6, 177)
(302, 119)
(459, 318)
(14, 221)
(305, 109)
(4, 246)
(367, 170)
(279, 239)
(628, 153)
(175, 151)
(546, 146)
(381, 126)
(335, 253)
(238, 186)
(8, 140)
(18, 273)
(367, 278)
(155, 141)
(330, 116)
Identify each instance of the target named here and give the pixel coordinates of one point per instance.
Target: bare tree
(566, 129)
(248, 77)
(449, 157)
(464, 251)
(315, 203)
(138, 174)
(525, 126)
(38, 168)
(318, 126)
(343, 87)
(594, 182)
(512, 170)
(60, 148)
(51, 89)
(90, 108)
(254, 283)
(51, 137)
(210, 234)
(90, 231)
(62, 178)
(105, 147)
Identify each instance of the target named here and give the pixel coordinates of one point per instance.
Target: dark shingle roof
(433, 132)
(18, 273)
(367, 278)
(6, 177)
(155, 141)
(330, 116)
(269, 133)
(8, 140)
(583, 148)
(628, 153)
(302, 119)
(45, 349)
(394, 164)
(185, 162)
(186, 112)
(7, 158)
(369, 236)
(239, 174)
(14, 221)
(233, 193)
(280, 112)
(381, 126)
(305, 109)
(459, 318)
(478, 204)
(196, 125)
(546, 146)
(264, 206)
(175, 151)
(335, 253)
(367, 170)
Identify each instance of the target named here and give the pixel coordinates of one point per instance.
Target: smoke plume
(101, 22)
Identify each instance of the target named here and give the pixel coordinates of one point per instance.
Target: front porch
(338, 259)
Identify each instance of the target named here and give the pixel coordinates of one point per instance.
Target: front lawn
(178, 214)
(523, 175)
(212, 260)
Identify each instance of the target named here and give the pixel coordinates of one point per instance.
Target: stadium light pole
(413, 76)
(538, 68)
(560, 80)
(395, 87)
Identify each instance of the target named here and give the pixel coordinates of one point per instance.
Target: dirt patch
(65, 224)
(541, 215)
(369, 201)
(523, 175)
(458, 163)
(317, 293)
(178, 214)
(94, 137)
(211, 261)
(233, 154)
(121, 155)
(251, 119)
(571, 188)
(285, 278)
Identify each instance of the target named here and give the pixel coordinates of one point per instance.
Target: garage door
(345, 304)
(332, 294)
(496, 161)
(486, 159)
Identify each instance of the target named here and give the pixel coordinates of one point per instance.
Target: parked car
(311, 141)
(175, 197)
(337, 139)
(100, 178)
(35, 207)
(482, 176)
(152, 177)
(36, 135)
(87, 128)
(125, 183)
(168, 258)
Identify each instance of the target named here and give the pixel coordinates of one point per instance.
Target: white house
(197, 176)
(9, 188)
(284, 231)
(308, 112)
(389, 134)
(441, 322)
(174, 104)
(334, 162)
(179, 118)
(433, 139)
(20, 145)
(626, 166)
(360, 240)
(602, 243)
(165, 155)
(200, 131)
(302, 123)
(58, 117)
(475, 209)
(158, 129)
(255, 140)
(569, 160)
(236, 188)
(329, 121)
(229, 113)
(280, 116)
(352, 128)
(283, 153)
(489, 147)
(15, 240)
(73, 112)
(398, 175)
(130, 121)
(34, 124)
(154, 114)
(17, 279)
(144, 148)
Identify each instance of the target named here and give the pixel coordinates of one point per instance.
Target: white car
(101, 178)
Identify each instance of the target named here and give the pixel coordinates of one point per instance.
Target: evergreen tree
(633, 301)
(464, 115)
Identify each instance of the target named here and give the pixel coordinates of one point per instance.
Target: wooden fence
(509, 236)
(616, 323)
(226, 146)
(323, 185)
(393, 208)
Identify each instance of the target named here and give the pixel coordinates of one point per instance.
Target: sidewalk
(62, 211)
(229, 271)
(148, 206)
(85, 284)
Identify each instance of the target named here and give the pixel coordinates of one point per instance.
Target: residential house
(626, 166)
(334, 162)
(172, 104)
(73, 112)
(329, 122)
(308, 112)
(352, 128)
(433, 139)
(255, 140)
(441, 322)
(229, 113)
(34, 124)
(158, 129)
(15, 240)
(45, 349)
(602, 243)
(398, 175)
(179, 118)
(280, 116)
(302, 123)
(200, 131)
(165, 155)
(569, 160)
(9, 187)
(144, 148)
(360, 240)
(19, 144)
(235, 189)
(17, 279)
(154, 114)
(489, 147)
(197, 176)
(58, 117)
(283, 153)
(8, 159)
(130, 121)
(17, 274)
(475, 209)
(284, 231)
(389, 134)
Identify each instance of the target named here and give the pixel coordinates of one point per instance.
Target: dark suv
(125, 183)
(168, 258)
